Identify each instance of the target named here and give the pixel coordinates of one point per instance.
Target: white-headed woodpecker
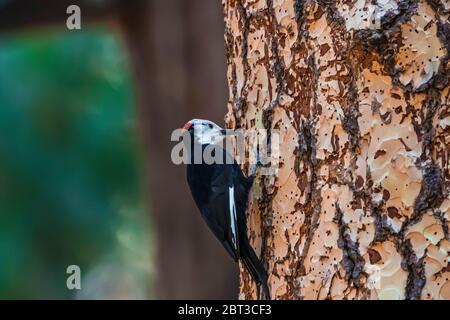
(220, 191)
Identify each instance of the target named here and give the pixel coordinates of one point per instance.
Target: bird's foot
(254, 168)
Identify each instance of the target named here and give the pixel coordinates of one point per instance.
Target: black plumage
(220, 191)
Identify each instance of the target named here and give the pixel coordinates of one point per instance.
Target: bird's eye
(210, 125)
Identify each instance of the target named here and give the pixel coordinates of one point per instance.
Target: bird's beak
(223, 132)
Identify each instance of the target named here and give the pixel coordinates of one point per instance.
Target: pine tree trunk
(360, 207)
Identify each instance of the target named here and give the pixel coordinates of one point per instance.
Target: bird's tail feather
(255, 268)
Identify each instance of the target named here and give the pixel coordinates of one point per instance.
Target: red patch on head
(187, 126)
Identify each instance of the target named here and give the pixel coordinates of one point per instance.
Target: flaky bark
(359, 90)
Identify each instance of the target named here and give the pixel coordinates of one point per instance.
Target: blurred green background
(71, 186)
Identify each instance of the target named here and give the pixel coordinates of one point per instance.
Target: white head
(204, 131)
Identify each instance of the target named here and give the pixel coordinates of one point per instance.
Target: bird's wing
(221, 210)
(220, 192)
(210, 189)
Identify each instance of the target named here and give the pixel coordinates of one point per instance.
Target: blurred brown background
(184, 53)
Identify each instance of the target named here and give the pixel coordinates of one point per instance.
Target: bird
(220, 190)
